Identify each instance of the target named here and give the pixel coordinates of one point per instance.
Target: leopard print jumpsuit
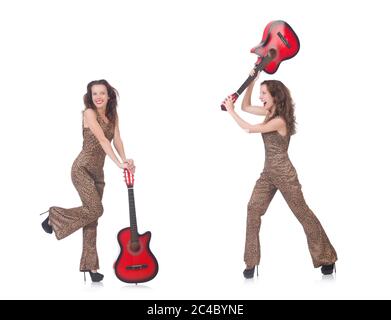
(88, 179)
(279, 174)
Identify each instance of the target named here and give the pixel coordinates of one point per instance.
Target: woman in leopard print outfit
(278, 174)
(100, 127)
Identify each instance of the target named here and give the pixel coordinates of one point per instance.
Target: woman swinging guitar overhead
(278, 174)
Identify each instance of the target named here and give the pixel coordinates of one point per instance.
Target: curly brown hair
(285, 107)
(111, 109)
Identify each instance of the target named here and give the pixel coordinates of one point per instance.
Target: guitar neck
(259, 67)
(132, 215)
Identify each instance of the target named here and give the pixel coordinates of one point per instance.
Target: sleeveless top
(277, 161)
(92, 155)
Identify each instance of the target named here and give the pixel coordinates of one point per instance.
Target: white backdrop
(173, 62)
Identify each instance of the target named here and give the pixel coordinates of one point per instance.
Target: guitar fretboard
(132, 216)
(265, 61)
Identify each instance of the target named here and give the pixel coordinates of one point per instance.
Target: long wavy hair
(111, 108)
(285, 107)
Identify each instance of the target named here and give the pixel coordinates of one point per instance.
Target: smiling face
(100, 97)
(266, 98)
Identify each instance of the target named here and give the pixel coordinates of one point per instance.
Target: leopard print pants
(321, 250)
(66, 221)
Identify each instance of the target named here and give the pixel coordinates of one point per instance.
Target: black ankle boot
(328, 268)
(46, 226)
(95, 276)
(249, 273)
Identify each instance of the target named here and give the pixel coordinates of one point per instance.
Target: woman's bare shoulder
(89, 113)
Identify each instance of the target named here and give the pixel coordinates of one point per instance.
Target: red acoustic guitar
(279, 43)
(135, 263)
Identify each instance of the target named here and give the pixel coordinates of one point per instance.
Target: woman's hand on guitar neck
(249, 90)
(128, 164)
(252, 72)
(229, 104)
(246, 102)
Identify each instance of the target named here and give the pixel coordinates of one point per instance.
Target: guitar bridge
(136, 267)
(283, 39)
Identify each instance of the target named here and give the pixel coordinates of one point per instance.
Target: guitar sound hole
(133, 246)
(272, 53)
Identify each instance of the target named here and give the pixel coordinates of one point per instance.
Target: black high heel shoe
(46, 226)
(328, 268)
(95, 276)
(249, 273)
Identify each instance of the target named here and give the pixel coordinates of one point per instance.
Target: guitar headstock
(129, 178)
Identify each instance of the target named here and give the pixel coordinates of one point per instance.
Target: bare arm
(118, 144)
(90, 119)
(247, 105)
(276, 124)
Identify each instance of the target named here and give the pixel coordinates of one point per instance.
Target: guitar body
(135, 263)
(279, 43)
(278, 35)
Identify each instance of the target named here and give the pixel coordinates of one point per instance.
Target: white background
(173, 62)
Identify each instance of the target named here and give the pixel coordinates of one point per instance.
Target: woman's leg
(89, 257)
(321, 250)
(261, 197)
(67, 221)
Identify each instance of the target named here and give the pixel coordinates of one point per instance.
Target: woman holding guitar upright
(278, 174)
(100, 127)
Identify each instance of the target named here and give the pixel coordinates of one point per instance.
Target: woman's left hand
(229, 104)
(131, 165)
